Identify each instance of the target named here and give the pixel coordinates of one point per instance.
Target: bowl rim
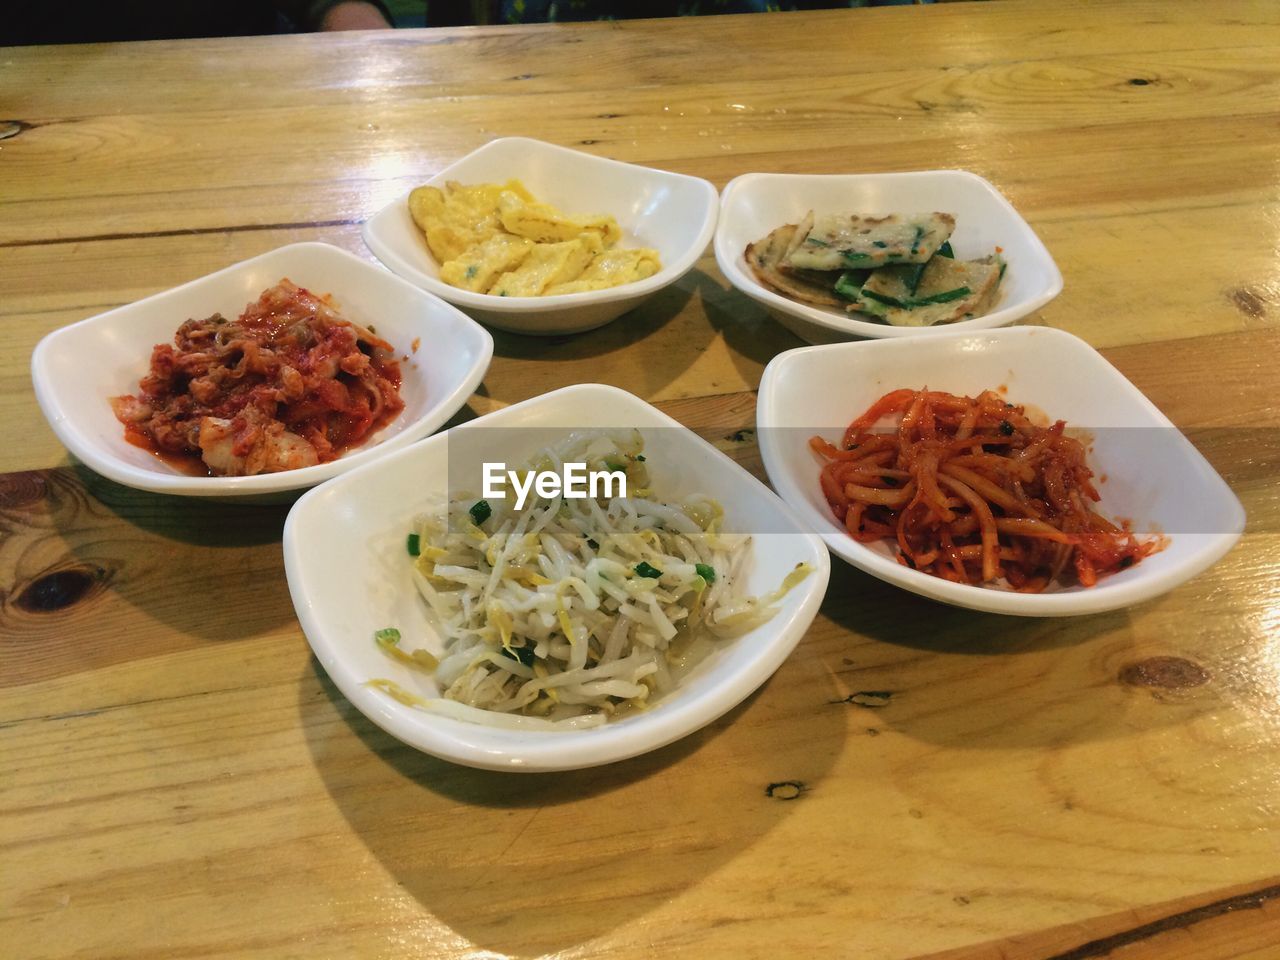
(391, 256)
(730, 261)
(541, 751)
(98, 458)
(1095, 600)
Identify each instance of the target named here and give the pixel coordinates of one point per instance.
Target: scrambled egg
(497, 239)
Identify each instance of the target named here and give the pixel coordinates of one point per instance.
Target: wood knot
(1248, 302)
(21, 489)
(11, 128)
(1139, 82)
(1168, 673)
(867, 698)
(59, 589)
(785, 790)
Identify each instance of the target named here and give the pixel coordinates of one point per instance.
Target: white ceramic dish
(1153, 475)
(78, 368)
(349, 575)
(756, 203)
(670, 212)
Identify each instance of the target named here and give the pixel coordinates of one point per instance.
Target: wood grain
(1248, 917)
(182, 779)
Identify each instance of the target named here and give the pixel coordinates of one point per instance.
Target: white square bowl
(669, 212)
(755, 204)
(77, 369)
(349, 575)
(1149, 472)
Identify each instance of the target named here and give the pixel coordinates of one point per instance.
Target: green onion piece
(413, 544)
(944, 297)
(1003, 265)
(592, 544)
(855, 257)
(706, 572)
(913, 278)
(847, 286)
(386, 637)
(883, 298)
(946, 251)
(816, 242)
(523, 654)
(480, 512)
(879, 243)
(644, 570)
(640, 457)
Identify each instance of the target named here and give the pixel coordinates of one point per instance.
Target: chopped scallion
(848, 286)
(913, 278)
(945, 297)
(523, 654)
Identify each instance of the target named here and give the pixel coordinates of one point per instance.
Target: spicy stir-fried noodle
(570, 611)
(972, 491)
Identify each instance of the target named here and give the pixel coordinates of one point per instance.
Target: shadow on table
(630, 328)
(530, 864)
(968, 680)
(747, 328)
(662, 337)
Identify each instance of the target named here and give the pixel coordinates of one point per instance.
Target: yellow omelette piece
(543, 223)
(611, 268)
(548, 264)
(445, 239)
(459, 216)
(496, 238)
(480, 264)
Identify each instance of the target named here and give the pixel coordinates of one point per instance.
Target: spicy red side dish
(289, 384)
(973, 491)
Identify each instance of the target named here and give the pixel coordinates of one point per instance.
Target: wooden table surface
(178, 778)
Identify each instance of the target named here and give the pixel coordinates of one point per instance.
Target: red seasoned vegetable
(288, 384)
(972, 491)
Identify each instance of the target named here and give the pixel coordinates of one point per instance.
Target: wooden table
(180, 779)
